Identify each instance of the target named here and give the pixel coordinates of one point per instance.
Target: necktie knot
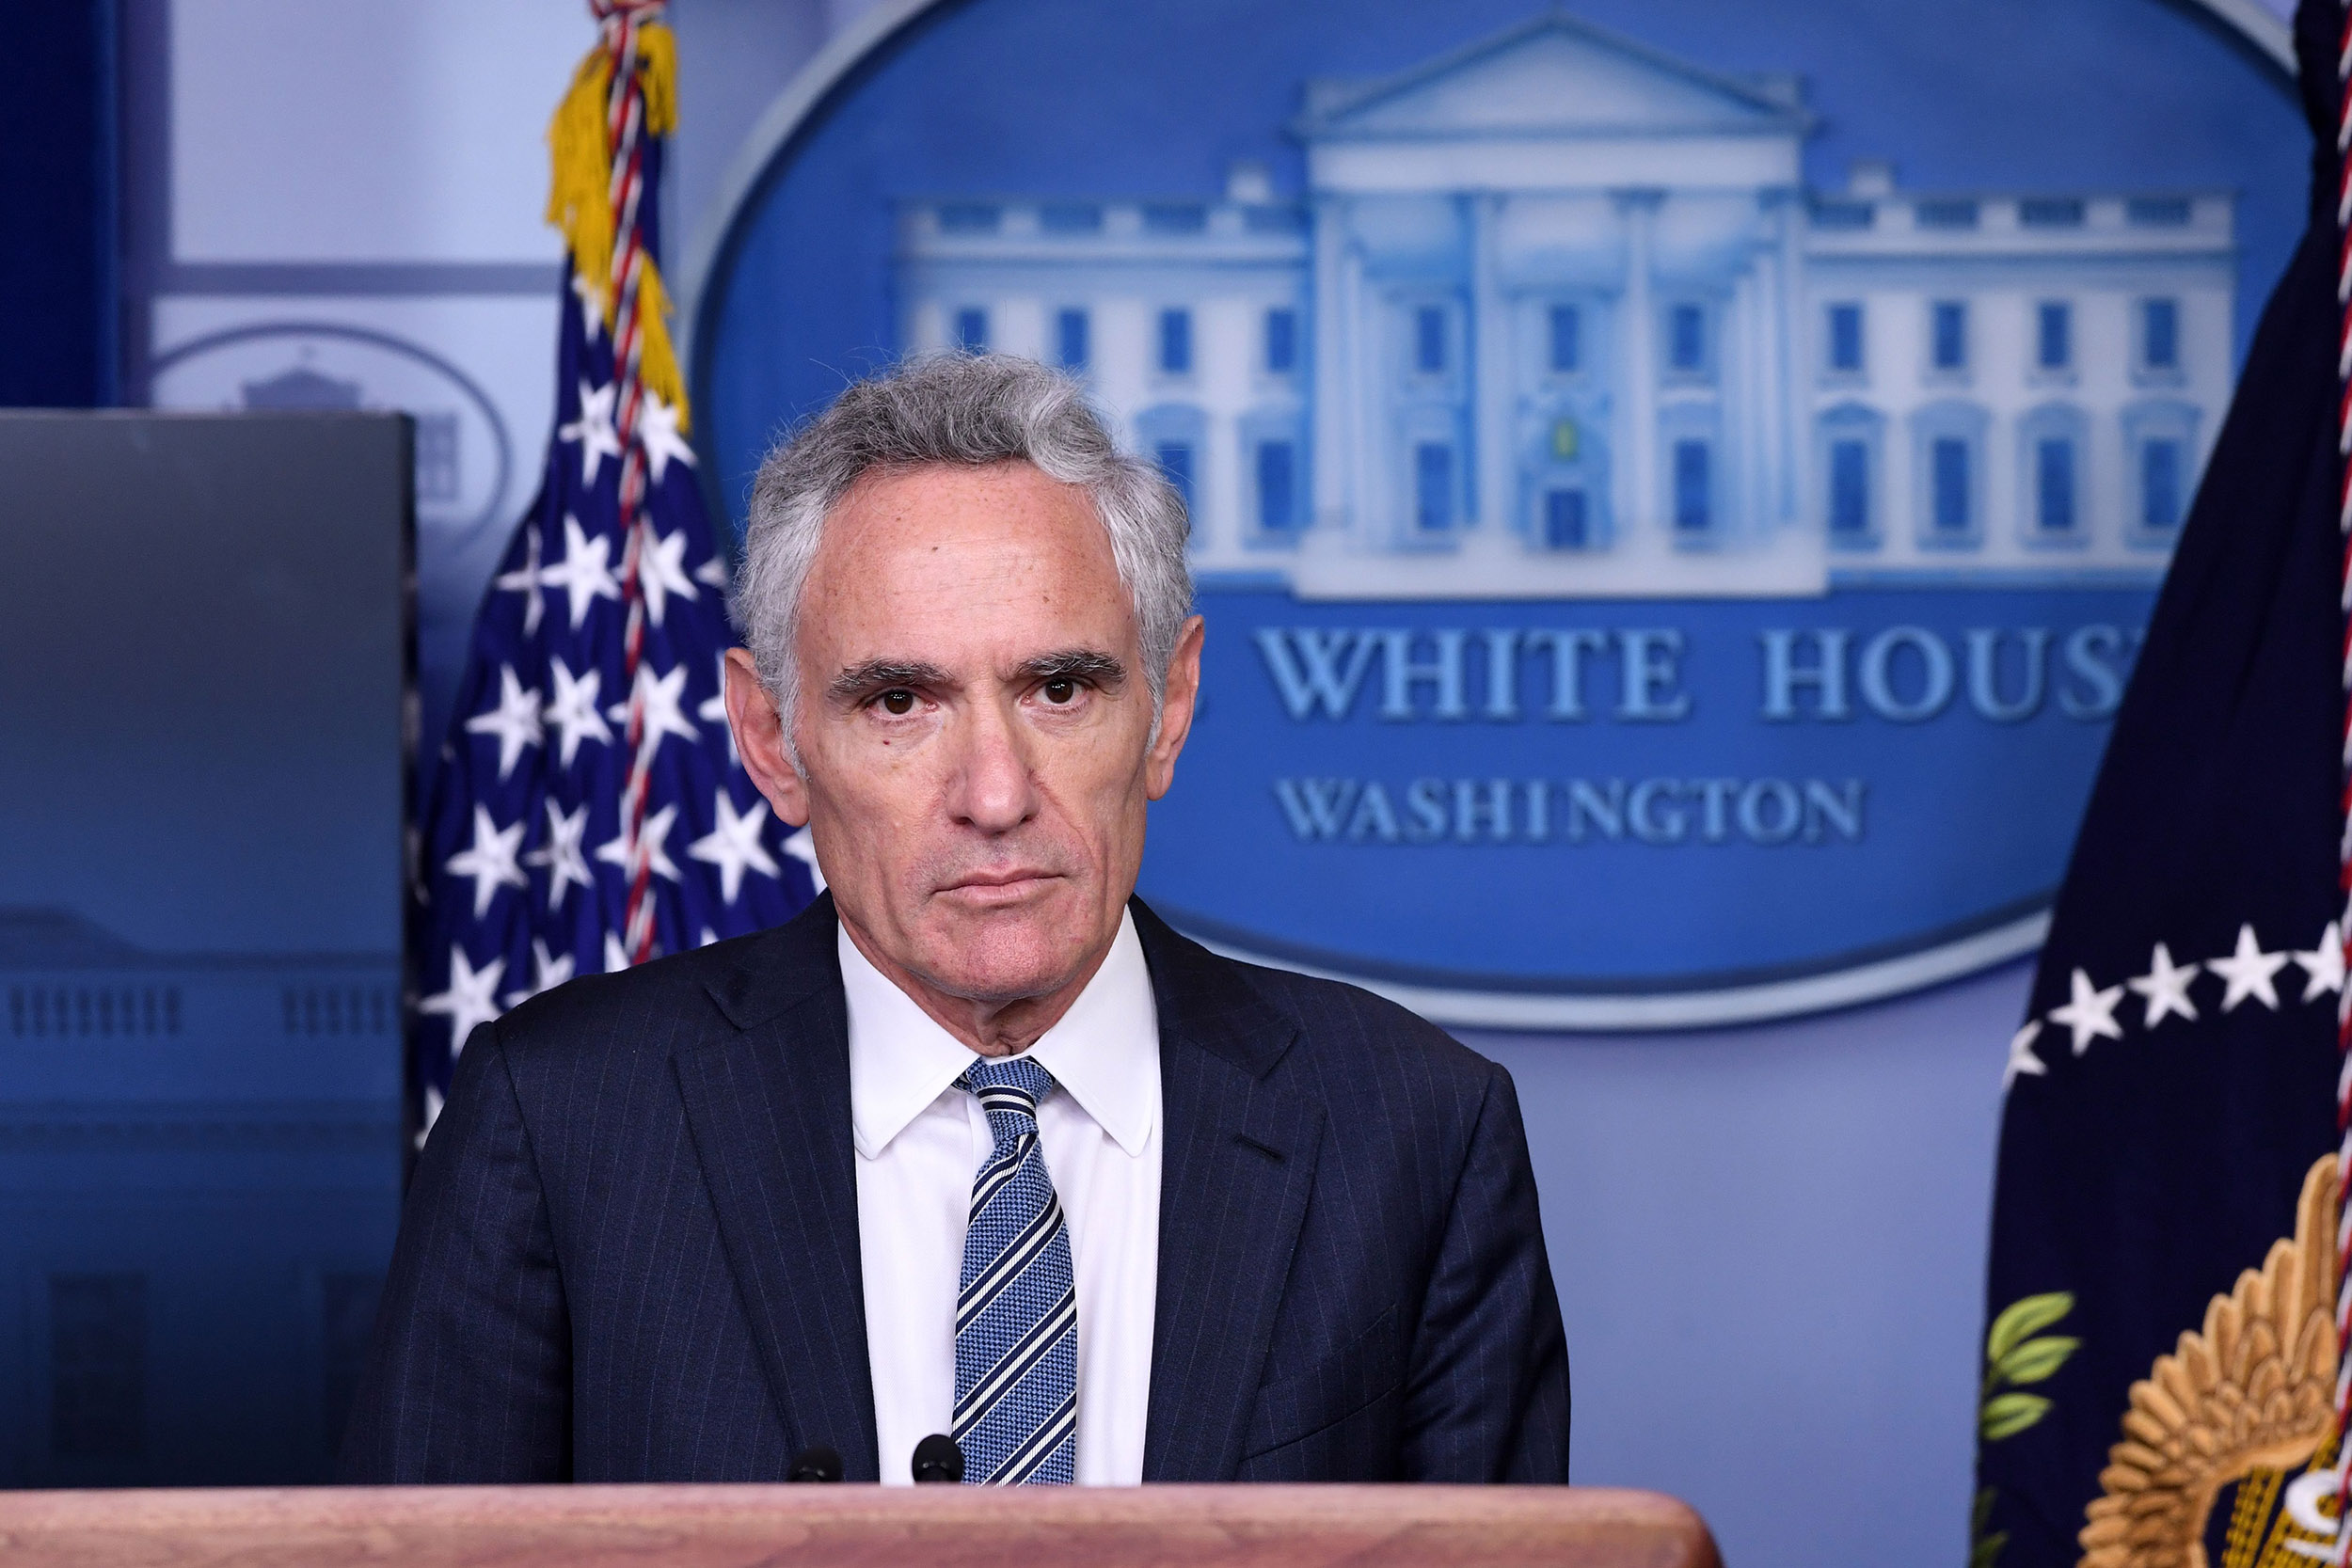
(1010, 1091)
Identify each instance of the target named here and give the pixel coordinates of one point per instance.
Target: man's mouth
(999, 886)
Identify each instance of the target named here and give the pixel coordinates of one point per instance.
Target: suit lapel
(767, 1102)
(1235, 1174)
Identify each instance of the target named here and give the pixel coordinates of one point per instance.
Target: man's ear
(759, 739)
(1177, 707)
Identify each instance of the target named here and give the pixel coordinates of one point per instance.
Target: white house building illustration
(1558, 317)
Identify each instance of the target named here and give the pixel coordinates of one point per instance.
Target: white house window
(1175, 461)
(1281, 341)
(1174, 435)
(2159, 453)
(1949, 458)
(1277, 487)
(1693, 487)
(2054, 336)
(1848, 444)
(2054, 484)
(1849, 489)
(2052, 440)
(1433, 487)
(1176, 342)
(1845, 338)
(969, 217)
(972, 329)
(2160, 335)
(1567, 521)
(1070, 217)
(1070, 335)
(2160, 485)
(1565, 338)
(1429, 354)
(1947, 335)
(1686, 339)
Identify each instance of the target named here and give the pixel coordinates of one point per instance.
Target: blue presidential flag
(2160, 1381)
(590, 811)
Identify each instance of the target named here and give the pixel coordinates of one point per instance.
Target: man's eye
(1060, 692)
(896, 703)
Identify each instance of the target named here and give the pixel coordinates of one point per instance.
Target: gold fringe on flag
(580, 196)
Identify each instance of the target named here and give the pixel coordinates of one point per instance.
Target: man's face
(974, 728)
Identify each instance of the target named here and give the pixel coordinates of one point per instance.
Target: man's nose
(994, 789)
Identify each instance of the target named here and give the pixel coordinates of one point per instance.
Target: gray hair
(964, 410)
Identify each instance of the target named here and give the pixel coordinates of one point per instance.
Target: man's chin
(1032, 947)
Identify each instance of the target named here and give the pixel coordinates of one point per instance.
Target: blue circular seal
(1676, 488)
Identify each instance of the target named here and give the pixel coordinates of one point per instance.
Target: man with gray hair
(975, 1170)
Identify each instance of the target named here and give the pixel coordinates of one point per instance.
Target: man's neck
(987, 1026)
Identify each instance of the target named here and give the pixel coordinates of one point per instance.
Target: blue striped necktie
(1017, 1309)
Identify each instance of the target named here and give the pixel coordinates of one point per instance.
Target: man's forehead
(996, 565)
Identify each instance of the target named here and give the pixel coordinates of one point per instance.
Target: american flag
(590, 811)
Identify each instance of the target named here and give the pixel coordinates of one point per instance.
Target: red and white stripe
(625, 130)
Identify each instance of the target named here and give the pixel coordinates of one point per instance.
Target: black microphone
(938, 1459)
(816, 1463)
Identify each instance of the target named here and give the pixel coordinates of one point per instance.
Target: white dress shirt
(921, 1140)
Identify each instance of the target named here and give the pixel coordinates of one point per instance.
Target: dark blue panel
(57, 246)
(201, 771)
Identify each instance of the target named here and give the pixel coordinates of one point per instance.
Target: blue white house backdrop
(1676, 486)
(1559, 318)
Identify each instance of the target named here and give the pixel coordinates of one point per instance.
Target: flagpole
(2344, 1001)
(624, 121)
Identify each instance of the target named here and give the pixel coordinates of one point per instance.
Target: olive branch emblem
(2016, 1352)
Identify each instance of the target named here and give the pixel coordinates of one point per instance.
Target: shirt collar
(1104, 1053)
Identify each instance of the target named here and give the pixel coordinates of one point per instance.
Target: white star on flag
(582, 574)
(661, 572)
(573, 711)
(594, 429)
(2166, 987)
(2323, 966)
(616, 852)
(515, 720)
(734, 845)
(2021, 1057)
(802, 846)
(662, 698)
(591, 305)
(713, 573)
(615, 955)
(657, 429)
(562, 852)
(525, 581)
(2249, 971)
(471, 998)
(2089, 1012)
(547, 971)
(713, 710)
(490, 860)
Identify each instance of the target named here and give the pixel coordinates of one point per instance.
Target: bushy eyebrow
(1090, 665)
(881, 675)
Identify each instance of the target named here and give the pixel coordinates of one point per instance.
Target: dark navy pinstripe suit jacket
(630, 1252)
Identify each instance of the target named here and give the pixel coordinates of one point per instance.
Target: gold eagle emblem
(2246, 1400)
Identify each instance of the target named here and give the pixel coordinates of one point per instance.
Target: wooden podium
(856, 1527)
